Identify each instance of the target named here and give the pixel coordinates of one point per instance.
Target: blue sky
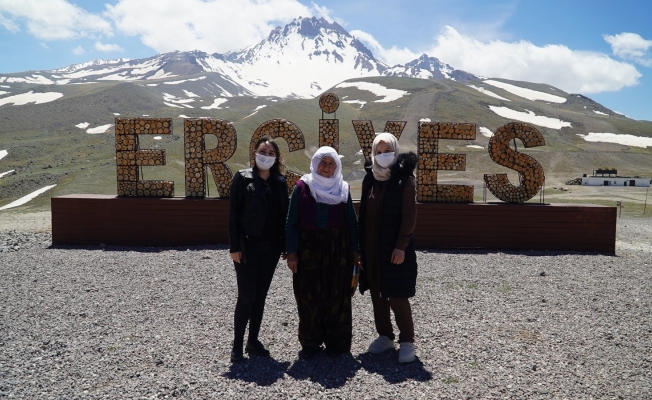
(599, 48)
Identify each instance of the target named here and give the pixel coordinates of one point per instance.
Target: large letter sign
(129, 157)
(365, 131)
(197, 157)
(329, 129)
(283, 129)
(530, 172)
(430, 161)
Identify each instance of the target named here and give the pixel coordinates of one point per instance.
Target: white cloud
(78, 51)
(631, 46)
(52, 19)
(572, 71)
(108, 47)
(391, 56)
(321, 12)
(9, 25)
(207, 25)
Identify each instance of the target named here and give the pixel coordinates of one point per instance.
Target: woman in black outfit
(258, 206)
(386, 225)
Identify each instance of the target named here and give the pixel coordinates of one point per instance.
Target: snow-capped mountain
(429, 68)
(302, 59)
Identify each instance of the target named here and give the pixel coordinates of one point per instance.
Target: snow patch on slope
(31, 97)
(486, 132)
(361, 102)
(530, 117)
(216, 104)
(377, 89)
(526, 93)
(99, 129)
(625, 140)
(27, 198)
(487, 92)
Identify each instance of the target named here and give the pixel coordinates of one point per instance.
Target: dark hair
(279, 166)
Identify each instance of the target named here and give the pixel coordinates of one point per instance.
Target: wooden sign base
(83, 219)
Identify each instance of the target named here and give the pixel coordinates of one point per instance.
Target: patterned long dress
(327, 237)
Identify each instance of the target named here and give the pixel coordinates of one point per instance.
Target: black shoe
(257, 348)
(236, 355)
(335, 352)
(309, 352)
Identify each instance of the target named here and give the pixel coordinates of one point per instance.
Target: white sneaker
(381, 345)
(406, 353)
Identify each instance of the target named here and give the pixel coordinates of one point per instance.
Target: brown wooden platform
(95, 219)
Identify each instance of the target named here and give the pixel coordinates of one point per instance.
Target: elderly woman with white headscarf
(387, 221)
(322, 247)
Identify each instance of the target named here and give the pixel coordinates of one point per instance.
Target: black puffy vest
(396, 280)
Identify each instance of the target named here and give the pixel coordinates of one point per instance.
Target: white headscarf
(333, 190)
(382, 173)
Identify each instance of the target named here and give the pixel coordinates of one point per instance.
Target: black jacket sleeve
(235, 212)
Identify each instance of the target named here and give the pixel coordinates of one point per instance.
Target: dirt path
(418, 107)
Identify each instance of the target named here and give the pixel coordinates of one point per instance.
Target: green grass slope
(45, 147)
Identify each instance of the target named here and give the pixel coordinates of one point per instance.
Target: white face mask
(264, 162)
(385, 159)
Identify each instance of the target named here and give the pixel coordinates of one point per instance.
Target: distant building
(612, 179)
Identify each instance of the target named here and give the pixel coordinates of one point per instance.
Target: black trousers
(254, 278)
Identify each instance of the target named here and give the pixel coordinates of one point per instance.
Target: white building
(614, 181)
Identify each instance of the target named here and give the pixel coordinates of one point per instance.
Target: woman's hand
(237, 256)
(357, 260)
(293, 262)
(398, 256)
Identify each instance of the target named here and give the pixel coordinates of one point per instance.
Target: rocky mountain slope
(56, 126)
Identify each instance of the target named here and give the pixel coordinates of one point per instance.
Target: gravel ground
(116, 322)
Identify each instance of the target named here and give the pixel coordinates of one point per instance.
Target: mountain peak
(311, 27)
(300, 59)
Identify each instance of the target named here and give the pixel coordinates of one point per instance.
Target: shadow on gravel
(531, 253)
(263, 371)
(139, 249)
(387, 366)
(329, 372)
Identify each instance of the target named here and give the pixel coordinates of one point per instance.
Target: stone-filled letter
(129, 157)
(365, 131)
(283, 129)
(530, 172)
(197, 157)
(430, 161)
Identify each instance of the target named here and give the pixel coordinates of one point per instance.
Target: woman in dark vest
(322, 247)
(258, 205)
(387, 221)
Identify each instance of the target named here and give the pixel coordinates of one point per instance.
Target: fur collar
(405, 164)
